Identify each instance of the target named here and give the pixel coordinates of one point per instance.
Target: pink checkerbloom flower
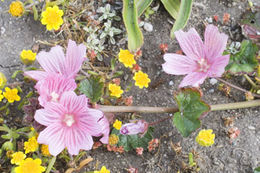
(56, 62)
(140, 126)
(70, 124)
(201, 60)
(52, 87)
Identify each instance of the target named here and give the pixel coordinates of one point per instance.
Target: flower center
(69, 120)
(54, 96)
(203, 65)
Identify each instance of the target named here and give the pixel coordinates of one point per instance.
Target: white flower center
(54, 96)
(203, 65)
(69, 120)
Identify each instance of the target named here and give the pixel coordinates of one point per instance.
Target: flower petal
(51, 114)
(193, 79)
(178, 64)
(191, 43)
(89, 121)
(36, 75)
(215, 42)
(73, 102)
(53, 61)
(217, 68)
(74, 58)
(54, 137)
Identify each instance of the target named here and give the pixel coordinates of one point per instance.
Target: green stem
(51, 163)
(250, 81)
(143, 109)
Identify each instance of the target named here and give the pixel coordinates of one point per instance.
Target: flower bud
(2, 80)
(134, 128)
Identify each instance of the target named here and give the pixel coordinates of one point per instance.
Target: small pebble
(213, 81)
(251, 127)
(148, 27)
(211, 91)
(2, 30)
(171, 83)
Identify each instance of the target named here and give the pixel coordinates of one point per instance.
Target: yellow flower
(17, 157)
(126, 58)
(141, 79)
(30, 166)
(16, 9)
(31, 145)
(45, 150)
(1, 96)
(115, 90)
(2, 80)
(11, 95)
(113, 139)
(117, 124)
(102, 170)
(27, 57)
(52, 17)
(205, 137)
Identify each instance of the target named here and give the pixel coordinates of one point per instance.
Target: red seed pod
(163, 47)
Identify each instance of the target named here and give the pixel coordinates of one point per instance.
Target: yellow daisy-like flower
(52, 18)
(27, 57)
(1, 96)
(113, 139)
(115, 90)
(3, 80)
(30, 166)
(45, 150)
(11, 95)
(126, 58)
(141, 79)
(16, 9)
(18, 157)
(117, 124)
(102, 170)
(31, 145)
(205, 137)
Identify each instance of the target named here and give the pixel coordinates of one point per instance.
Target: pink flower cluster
(70, 122)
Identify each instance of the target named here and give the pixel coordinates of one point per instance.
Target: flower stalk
(144, 109)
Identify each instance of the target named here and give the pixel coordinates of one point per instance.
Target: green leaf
(92, 88)
(35, 13)
(130, 17)
(183, 16)
(131, 142)
(257, 170)
(142, 5)
(51, 164)
(191, 107)
(172, 6)
(245, 60)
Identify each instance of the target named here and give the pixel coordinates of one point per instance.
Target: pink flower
(105, 129)
(202, 60)
(69, 123)
(56, 62)
(52, 87)
(134, 128)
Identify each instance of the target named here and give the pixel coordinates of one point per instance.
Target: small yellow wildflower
(11, 95)
(126, 58)
(3, 80)
(16, 9)
(27, 57)
(141, 79)
(31, 145)
(205, 137)
(52, 18)
(30, 166)
(113, 139)
(115, 90)
(17, 157)
(102, 170)
(45, 150)
(117, 124)
(1, 96)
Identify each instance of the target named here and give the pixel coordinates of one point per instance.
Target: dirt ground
(241, 155)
